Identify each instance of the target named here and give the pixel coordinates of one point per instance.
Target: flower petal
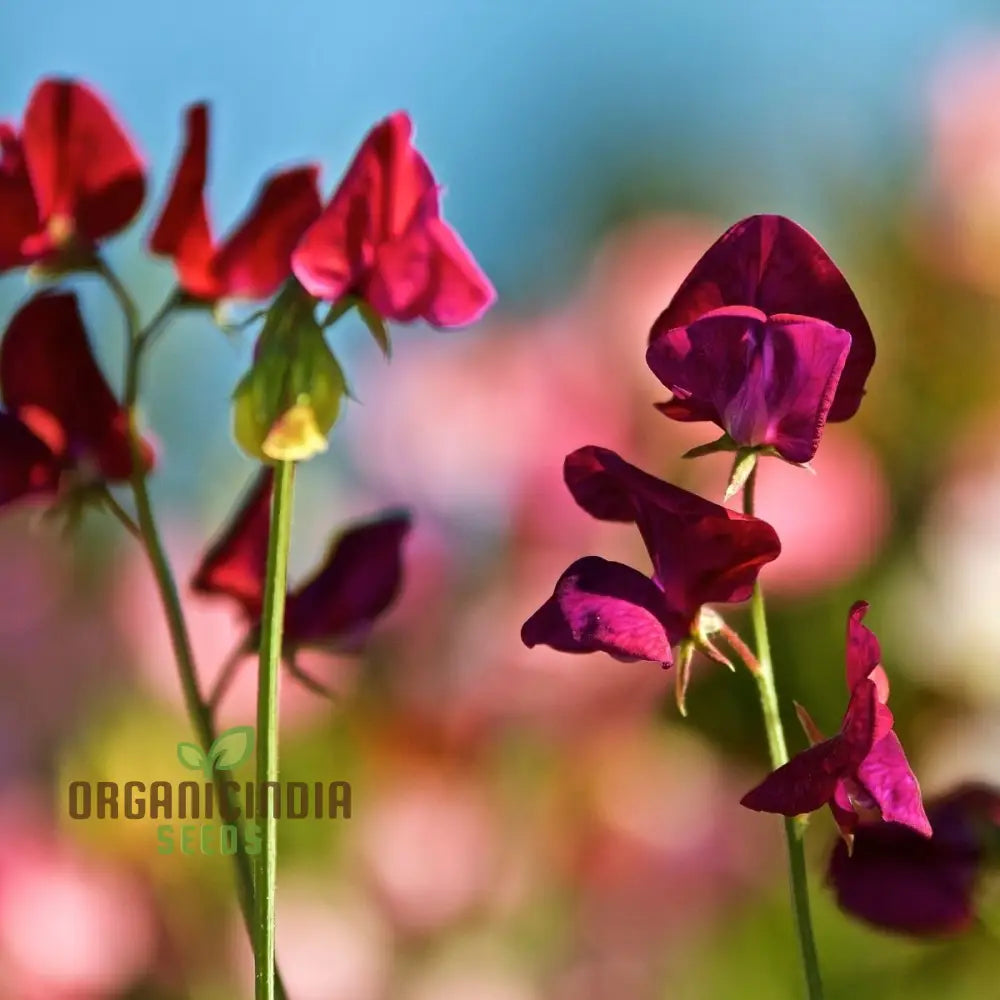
(19, 214)
(27, 465)
(701, 552)
(810, 779)
(359, 579)
(46, 365)
(763, 380)
(459, 292)
(254, 261)
(236, 562)
(601, 606)
(183, 231)
(386, 185)
(769, 262)
(886, 776)
(82, 163)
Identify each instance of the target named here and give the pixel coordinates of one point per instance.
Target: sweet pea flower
(336, 608)
(701, 554)
(71, 178)
(764, 338)
(900, 881)
(254, 260)
(862, 773)
(59, 412)
(381, 239)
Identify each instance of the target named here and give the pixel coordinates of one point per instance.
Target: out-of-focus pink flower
(70, 179)
(381, 238)
(70, 927)
(429, 846)
(331, 945)
(964, 164)
(255, 258)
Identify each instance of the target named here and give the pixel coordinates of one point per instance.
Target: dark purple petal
(772, 264)
(899, 880)
(358, 580)
(27, 465)
(236, 562)
(886, 776)
(601, 606)
(765, 381)
(810, 779)
(701, 552)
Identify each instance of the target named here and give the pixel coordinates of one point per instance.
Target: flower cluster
(765, 339)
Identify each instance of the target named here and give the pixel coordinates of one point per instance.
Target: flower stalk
(271, 636)
(198, 709)
(778, 751)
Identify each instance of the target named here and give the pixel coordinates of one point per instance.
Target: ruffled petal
(769, 262)
(601, 606)
(18, 209)
(886, 776)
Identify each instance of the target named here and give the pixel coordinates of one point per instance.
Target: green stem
(272, 629)
(779, 755)
(145, 527)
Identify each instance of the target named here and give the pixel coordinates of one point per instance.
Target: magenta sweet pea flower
(71, 178)
(901, 881)
(701, 554)
(59, 414)
(381, 238)
(764, 338)
(357, 581)
(255, 259)
(862, 772)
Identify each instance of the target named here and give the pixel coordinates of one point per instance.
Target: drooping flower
(900, 881)
(254, 260)
(764, 338)
(862, 772)
(59, 413)
(336, 608)
(381, 238)
(701, 554)
(70, 179)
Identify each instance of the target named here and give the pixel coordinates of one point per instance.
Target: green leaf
(232, 748)
(376, 327)
(724, 443)
(191, 756)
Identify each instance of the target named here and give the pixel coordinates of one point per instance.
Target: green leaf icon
(231, 749)
(191, 756)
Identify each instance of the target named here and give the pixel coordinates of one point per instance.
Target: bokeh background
(527, 826)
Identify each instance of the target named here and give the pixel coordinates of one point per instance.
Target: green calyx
(287, 403)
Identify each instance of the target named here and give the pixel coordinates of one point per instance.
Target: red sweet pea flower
(382, 239)
(701, 554)
(804, 345)
(336, 608)
(861, 772)
(71, 179)
(253, 261)
(897, 880)
(59, 413)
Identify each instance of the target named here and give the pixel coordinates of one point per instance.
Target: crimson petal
(236, 562)
(774, 265)
(83, 165)
(886, 776)
(27, 465)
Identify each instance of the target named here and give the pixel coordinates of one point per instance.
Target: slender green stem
(272, 630)
(145, 526)
(764, 676)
